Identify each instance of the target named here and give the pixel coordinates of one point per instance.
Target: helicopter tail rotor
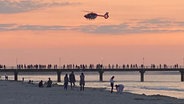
(106, 15)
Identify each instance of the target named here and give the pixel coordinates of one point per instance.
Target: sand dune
(12, 92)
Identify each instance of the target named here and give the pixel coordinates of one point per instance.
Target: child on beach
(6, 76)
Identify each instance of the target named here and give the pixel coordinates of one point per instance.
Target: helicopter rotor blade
(86, 11)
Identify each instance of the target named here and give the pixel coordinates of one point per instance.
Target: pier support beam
(142, 71)
(59, 75)
(101, 75)
(182, 76)
(16, 75)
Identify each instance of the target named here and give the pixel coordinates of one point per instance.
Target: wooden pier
(100, 71)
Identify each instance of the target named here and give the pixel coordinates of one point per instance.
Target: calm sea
(163, 83)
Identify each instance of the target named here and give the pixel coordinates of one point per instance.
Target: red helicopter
(93, 15)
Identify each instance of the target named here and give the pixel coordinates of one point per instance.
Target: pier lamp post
(183, 62)
(16, 62)
(102, 60)
(59, 62)
(101, 70)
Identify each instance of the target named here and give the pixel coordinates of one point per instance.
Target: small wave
(161, 88)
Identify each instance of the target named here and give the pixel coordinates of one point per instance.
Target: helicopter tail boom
(106, 15)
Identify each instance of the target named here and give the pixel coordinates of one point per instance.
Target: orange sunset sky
(44, 31)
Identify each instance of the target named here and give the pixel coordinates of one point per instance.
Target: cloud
(141, 26)
(14, 27)
(180, 23)
(12, 6)
(155, 25)
(6, 27)
(104, 28)
(39, 27)
(156, 21)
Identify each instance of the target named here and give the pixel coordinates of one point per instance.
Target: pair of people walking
(72, 81)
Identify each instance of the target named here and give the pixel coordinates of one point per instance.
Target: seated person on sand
(30, 81)
(119, 88)
(40, 84)
(49, 83)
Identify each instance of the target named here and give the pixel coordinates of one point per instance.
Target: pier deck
(99, 70)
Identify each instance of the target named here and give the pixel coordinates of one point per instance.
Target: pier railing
(91, 68)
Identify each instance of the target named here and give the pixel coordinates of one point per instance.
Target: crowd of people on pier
(36, 66)
(2, 66)
(90, 66)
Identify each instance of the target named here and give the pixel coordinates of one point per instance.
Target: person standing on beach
(82, 82)
(66, 82)
(72, 79)
(112, 83)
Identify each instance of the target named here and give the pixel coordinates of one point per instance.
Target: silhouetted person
(29, 81)
(40, 84)
(82, 82)
(6, 77)
(72, 79)
(119, 88)
(49, 83)
(66, 82)
(112, 83)
(22, 79)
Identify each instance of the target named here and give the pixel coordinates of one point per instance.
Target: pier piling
(101, 75)
(142, 71)
(16, 75)
(182, 75)
(59, 75)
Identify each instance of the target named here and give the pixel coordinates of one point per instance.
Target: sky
(56, 32)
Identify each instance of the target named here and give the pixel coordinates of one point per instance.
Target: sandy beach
(13, 92)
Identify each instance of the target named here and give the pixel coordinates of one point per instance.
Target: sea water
(163, 83)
